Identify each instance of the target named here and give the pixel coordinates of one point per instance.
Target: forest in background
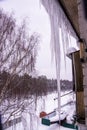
(28, 85)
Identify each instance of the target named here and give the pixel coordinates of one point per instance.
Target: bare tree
(18, 51)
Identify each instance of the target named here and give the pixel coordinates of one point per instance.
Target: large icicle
(58, 22)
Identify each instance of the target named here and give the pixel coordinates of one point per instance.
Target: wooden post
(78, 84)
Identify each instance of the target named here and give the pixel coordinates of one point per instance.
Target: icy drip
(61, 30)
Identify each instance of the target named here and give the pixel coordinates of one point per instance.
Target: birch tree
(18, 51)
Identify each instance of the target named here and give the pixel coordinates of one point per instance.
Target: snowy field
(31, 121)
(53, 127)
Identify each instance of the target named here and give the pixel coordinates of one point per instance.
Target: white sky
(38, 21)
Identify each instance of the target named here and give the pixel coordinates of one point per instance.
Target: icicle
(58, 22)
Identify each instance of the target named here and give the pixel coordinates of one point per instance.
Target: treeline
(25, 85)
(66, 85)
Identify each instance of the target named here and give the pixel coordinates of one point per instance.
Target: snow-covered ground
(53, 127)
(31, 121)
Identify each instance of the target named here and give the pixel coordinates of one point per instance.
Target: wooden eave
(70, 8)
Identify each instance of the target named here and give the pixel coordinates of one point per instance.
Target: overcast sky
(38, 21)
